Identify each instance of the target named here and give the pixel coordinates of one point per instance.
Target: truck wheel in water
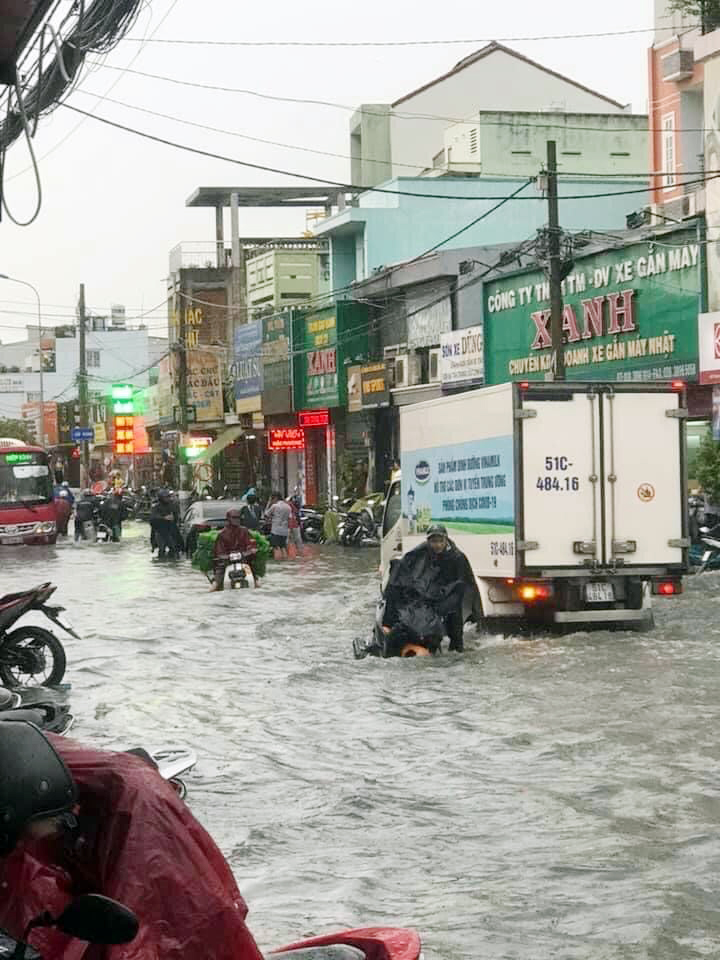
(31, 656)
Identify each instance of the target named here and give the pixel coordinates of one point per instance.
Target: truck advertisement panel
(467, 486)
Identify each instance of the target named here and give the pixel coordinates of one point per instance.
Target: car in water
(202, 516)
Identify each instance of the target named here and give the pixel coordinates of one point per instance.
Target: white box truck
(567, 498)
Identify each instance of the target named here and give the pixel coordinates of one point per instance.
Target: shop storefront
(325, 343)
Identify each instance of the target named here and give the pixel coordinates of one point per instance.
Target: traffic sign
(82, 434)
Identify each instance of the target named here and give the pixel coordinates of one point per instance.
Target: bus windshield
(24, 478)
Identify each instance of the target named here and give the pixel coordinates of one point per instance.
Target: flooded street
(555, 798)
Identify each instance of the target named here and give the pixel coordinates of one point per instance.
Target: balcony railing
(203, 254)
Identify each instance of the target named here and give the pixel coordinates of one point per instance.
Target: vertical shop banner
(165, 388)
(375, 384)
(324, 343)
(711, 80)
(709, 347)
(247, 367)
(354, 389)
(429, 314)
(204, 384)
(716, 412)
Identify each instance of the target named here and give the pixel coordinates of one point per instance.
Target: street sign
(82, 434)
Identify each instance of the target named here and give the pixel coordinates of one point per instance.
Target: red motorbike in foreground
(99, 920)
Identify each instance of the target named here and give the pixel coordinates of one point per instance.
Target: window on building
(92, 358)
(668, 150)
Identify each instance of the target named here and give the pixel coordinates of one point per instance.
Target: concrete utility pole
(83, 384)
(182, 363)
(554, 234)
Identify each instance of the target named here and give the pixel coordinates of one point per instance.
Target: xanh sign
(629, 314)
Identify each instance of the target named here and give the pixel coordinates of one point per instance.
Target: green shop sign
(322, 343)
(629, 314)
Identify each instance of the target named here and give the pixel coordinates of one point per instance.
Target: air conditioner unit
(434, 365)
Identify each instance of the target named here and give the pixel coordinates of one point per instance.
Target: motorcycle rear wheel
(29, 653)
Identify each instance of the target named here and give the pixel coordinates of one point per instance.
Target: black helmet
(163, 494)
(436, 530)
(35, 783)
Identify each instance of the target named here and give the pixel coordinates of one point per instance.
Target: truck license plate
(599, 593)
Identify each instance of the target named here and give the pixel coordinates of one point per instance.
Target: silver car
(205, 515)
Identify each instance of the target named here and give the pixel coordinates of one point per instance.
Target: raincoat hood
(138, 843)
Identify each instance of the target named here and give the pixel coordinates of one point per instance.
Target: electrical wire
(350, 188)
(33, 159)
(410, 43)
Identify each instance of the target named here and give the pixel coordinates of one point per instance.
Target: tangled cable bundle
(97, 28)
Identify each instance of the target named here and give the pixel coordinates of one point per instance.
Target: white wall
(498, 81)
(122, 355)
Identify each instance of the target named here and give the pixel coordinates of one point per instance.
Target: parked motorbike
(89, 917)
(31, 655)
(360, 526)
(705, 555)
(47, 709)
(311, 525)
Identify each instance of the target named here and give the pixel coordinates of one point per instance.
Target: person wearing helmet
(164, 525)
(113, 512)
(438, 575)
(84, 513)
(77, 819)
(233, 538)
(36, 788)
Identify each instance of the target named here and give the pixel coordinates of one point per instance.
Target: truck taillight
(532, 592)
(667, 588)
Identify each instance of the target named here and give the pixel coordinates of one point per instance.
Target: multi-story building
(279, 277)
(400, 139)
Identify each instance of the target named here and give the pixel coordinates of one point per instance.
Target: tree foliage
(707, 467)
(706, 11)
(17, 429)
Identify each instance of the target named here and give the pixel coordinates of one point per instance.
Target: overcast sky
(114, 204)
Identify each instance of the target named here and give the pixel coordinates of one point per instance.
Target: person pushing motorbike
(164, 522)
(435, 574)
(76, 819)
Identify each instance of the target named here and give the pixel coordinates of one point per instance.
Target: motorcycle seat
(30, 716)
(331, 951)
(12, 598)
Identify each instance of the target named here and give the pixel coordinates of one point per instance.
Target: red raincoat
(234, 539)
(141, 846)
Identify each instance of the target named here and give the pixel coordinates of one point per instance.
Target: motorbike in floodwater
(89, 917)
(47, 708)
(100, 920)
(418, 632)
(172, 763)
(312, 525)
(705, 554)
(31, 655)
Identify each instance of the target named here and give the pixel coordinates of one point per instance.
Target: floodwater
(552, 798)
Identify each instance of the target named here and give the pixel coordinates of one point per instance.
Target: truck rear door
(643, 483)
(560, 522)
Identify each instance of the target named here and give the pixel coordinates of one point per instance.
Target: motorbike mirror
(98, 919)
(704, 529)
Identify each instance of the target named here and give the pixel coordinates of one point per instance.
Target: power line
(407, 43)
(350, 188)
